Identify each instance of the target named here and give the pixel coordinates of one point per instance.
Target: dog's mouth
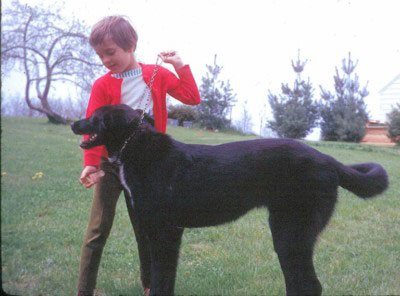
(93, 141)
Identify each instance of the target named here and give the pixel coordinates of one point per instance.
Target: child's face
(114, 58)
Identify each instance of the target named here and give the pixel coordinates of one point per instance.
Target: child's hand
(171, 57)
(90, 176)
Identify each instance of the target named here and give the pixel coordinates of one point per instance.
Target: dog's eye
(108, 120)
(95, 121)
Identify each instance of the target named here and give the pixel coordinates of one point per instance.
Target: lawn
(44, 214)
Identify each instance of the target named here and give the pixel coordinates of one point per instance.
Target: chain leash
(147, 91)
(146, 94)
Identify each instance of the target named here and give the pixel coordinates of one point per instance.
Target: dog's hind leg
(294, 231)
(165, 244)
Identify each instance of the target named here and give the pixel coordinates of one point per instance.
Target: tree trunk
(51, 115)
(56, 119)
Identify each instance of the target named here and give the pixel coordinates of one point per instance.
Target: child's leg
(104, 203)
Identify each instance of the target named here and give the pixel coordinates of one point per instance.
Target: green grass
(43, 221)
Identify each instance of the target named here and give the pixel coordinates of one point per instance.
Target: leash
(147, 91)
(146, 94)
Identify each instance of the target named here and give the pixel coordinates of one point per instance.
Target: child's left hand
(171, 57)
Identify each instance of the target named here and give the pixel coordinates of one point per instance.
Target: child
(114, 41)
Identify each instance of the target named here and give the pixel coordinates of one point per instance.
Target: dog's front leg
(164, 243)
(142, 243)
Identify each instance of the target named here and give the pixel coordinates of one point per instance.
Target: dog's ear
(149, 119)
(132, 117)
(146, 117)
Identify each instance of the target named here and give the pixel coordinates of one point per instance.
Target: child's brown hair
(118, 29)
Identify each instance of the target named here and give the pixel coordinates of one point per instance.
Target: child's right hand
(171, 57)
(90, 176)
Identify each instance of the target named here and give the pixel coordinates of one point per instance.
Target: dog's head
(110, 125)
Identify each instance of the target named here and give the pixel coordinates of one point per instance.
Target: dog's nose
(73, 126)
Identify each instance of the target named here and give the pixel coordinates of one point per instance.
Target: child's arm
(91, 157)
(171, 57)
(183, 88)
(91, 172)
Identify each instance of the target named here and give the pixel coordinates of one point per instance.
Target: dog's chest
(122, 177)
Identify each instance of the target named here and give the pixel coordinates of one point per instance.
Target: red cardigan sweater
(107, 90)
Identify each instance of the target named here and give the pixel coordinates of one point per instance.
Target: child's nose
(105, 60)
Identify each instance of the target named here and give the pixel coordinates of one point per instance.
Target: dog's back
(209, 185)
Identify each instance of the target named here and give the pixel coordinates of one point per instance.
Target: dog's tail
(365, 179)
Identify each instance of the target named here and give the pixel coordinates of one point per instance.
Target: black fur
(175, 185)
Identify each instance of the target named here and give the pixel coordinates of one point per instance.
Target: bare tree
(12, 105)
(48, 49)
(245, 123)
(262, 112)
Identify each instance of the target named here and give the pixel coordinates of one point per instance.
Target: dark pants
(105, 197)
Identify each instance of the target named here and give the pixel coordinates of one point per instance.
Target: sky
(255, 41)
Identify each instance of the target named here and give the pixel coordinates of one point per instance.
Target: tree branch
(71, 58)
(24, 48)
(65, 35)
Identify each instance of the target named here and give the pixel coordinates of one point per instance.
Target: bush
(217, 99)
(182, 113)
(294, 111)
(394, 124)
(211, 122)
(344, 113)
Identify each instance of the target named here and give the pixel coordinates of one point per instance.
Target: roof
(390, 83)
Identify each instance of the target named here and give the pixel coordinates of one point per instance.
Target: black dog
(173, 185)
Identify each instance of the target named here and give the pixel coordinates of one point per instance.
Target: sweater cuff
(184, 69)
(91, 160)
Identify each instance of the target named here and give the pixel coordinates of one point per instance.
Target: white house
(377, 129)
(389, 96)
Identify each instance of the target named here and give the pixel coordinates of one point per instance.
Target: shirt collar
(130, 73)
